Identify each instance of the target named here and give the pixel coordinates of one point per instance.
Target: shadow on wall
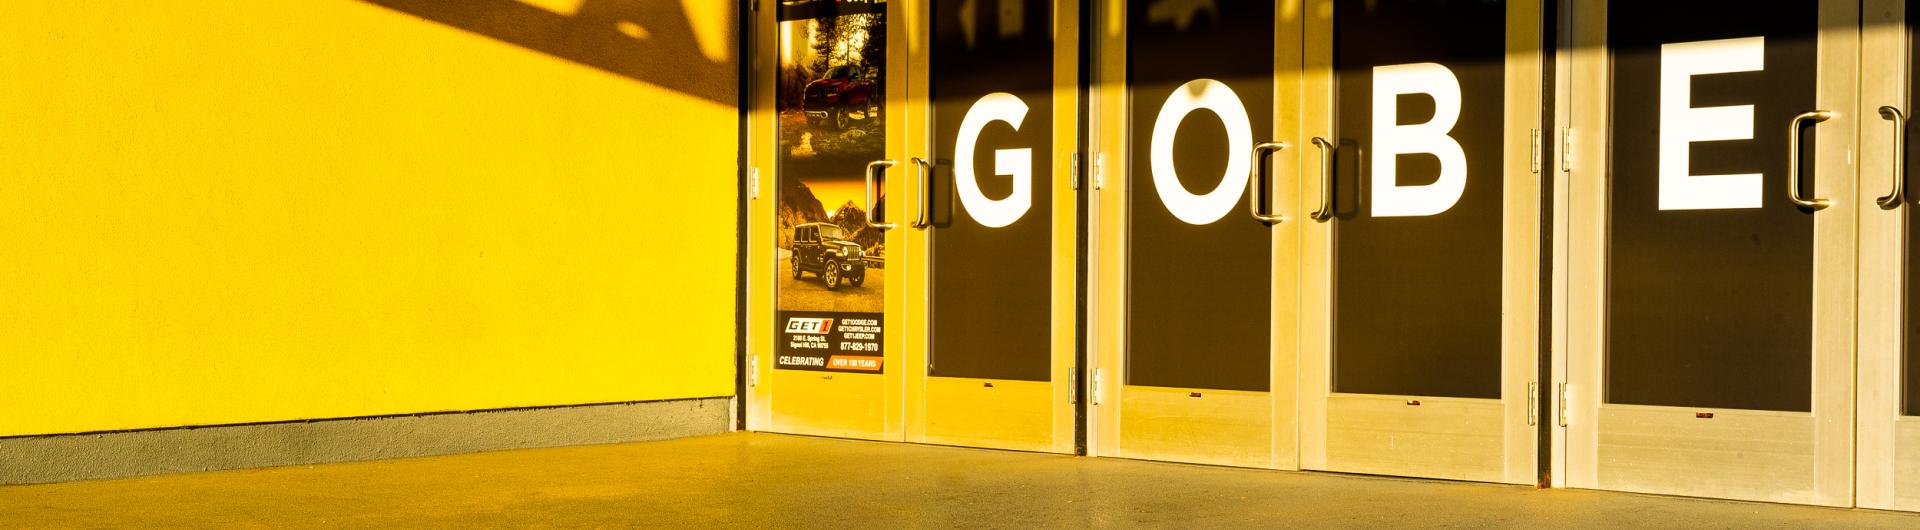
(645, 40)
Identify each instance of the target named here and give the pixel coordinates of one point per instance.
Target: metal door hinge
(1566, 149)
(1073, 171)
(753, 370)
(1099, 170)
(1563, 404)
(1533, 161)
(1533, 402)
(1095, 384)
(1073, 386)
(753, 183)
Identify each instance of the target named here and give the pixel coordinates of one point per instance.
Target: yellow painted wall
(224, 211)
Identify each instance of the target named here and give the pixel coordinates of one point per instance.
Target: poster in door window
(831, 102)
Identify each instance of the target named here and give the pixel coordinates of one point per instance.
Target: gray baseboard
(60, 458)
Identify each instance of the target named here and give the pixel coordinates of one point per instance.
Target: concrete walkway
(773, 481)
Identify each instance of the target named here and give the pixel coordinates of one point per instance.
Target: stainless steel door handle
(874, 168)
(1326, 180)
(1899, 120)
(924, 168)
(1793, 159)
(1257, 185)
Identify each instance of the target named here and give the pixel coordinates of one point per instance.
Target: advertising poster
(831, 100)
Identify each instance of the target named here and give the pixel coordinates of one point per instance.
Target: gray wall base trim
(60, 458)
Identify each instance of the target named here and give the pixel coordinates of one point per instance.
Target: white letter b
(1390, 139)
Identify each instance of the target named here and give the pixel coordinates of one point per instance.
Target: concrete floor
(772, 481)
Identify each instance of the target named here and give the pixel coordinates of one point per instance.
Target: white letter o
(1214, 96)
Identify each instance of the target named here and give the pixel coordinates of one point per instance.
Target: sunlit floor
(774, 481)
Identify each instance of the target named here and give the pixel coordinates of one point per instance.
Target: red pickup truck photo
(846, 95)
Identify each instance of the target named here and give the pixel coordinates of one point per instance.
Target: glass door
(1711, 325)
(827, 140)
(1889, 405)
(1196, 231)
(1422, 259)
(994, 231)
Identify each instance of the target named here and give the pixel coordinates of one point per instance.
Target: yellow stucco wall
(225, 211)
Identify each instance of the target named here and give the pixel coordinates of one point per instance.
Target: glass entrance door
(1197, 123)
(827, 140)
(1420, 343)
(994, 231)
(1889, 394)
(1712, 260)
(913, 222)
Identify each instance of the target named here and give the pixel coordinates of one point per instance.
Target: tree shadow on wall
(645, 40)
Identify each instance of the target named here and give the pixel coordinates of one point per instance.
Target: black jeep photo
(824, 249)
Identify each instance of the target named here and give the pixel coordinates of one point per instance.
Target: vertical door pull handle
(1326, 179)
(1563, 404)
(924, 168)
(875, 168)
(1793, 159)
(1533, 408)
(1899, 120)
(1257, 186)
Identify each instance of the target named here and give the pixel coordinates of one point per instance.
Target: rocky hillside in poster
(797, 206)
(852, 218)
